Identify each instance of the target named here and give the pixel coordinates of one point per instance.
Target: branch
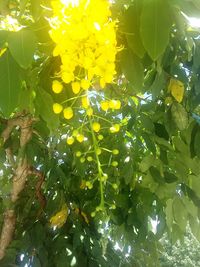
(39, 194)
(24, 122)
(7, 231)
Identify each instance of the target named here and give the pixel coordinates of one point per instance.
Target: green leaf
(149, 143)
(132, 29)
(195, 227)
(155, 26)
(147, 122)
(180, 213)
(170, 177)
(44, 103)
(196, 144)
(158, 85)
(36, 9)
(179, 116)
(132, 68)
(10, 84)
(3, 37)
(194, 184)
(22, 45)
(169, 213)
(26, 100)
(146, 163)
(155, 173)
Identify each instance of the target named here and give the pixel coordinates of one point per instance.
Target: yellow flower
(67, 77)
(91, 40)
(57, 87)
(115, 128)
(118, 104)
(76, 87)
(89, 111)
(59, 219)
(108, 77)
(102, 83)
(85, 84)
(57, 108)
(68, 113)
(80, 138)
(96, 127)
(70, 140)
(104, 105)
(85, 102)
(114, 104)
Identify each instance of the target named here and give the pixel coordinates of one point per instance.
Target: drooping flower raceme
(85, 38)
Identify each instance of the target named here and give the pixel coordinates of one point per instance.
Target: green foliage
(180, 254)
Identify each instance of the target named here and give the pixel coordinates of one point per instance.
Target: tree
(99, 130)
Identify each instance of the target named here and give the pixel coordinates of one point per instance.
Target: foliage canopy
(97, 145)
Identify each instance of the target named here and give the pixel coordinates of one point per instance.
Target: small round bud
(78, 154)
(114, 163)
(115, 186)
(82, 160)
(89, 159)
(100, 137)
(115, 151)
(98, 151)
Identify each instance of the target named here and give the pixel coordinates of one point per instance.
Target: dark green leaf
(132, 68)
(10, 84)
(170, 177)
(132, 28)
(155, 173)
(149, 143)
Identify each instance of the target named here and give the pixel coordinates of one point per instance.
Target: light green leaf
(22, 45)
(179, 116)
(155, 26)
(10, 84)
(44, 103)
(194, 184)
(169, 213)
(146, 163)
(195, 227)
(180, 213)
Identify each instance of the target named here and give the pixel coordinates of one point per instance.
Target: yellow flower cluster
(85, 40)
(111, 104)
